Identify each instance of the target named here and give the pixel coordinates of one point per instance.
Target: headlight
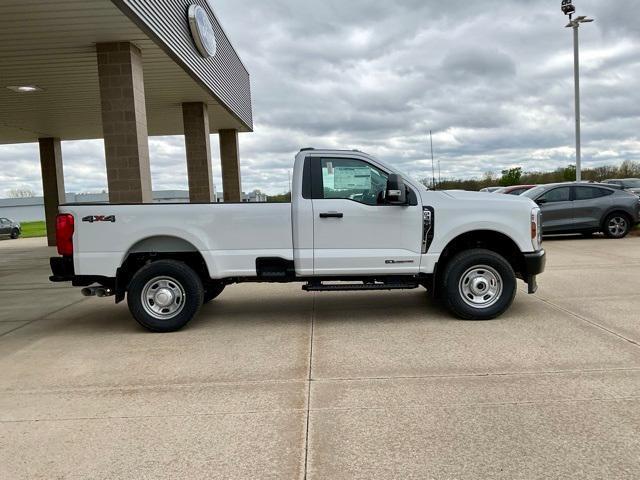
(536, 228)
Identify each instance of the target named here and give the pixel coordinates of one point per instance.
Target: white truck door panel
(367, 239)
(358, 234)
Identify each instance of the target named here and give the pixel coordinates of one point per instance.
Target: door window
(561, 194)
(352, 179)
(588, 193)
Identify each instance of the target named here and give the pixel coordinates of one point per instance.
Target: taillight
(64, 234)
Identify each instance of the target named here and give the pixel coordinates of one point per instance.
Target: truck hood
(488, 197)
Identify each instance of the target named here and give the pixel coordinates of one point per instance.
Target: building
(122, 70)
(252, 197)
(255, 196)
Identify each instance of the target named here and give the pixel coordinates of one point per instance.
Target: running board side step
(346, 287)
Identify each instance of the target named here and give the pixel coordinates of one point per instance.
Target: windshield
(534, 192)
(632, 183)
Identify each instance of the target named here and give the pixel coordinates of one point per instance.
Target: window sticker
(352, 178)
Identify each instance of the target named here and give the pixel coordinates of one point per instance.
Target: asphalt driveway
(273, 382)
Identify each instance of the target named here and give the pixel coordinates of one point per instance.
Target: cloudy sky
(492, 79)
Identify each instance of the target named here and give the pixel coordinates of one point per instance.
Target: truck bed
(229, 236)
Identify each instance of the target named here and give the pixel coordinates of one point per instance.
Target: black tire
(15, 233)
(476, 271)
(616, 225)
(182, 288)
(212, 290)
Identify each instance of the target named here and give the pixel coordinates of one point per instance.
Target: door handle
(331, 215)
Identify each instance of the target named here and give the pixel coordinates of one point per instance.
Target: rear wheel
(617, 225)
(15, 233)
(165, 295)
(478, 284)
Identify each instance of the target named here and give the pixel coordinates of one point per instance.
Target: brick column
(52, 183)
(124, 122)
(230, 162)
(195, 118)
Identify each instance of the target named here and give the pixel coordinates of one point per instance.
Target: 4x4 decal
(99, 218)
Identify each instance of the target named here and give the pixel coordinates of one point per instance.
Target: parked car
(585, 208)
(514, 189)
(629, 184)
(490, 189)
(354, 223)
(9, 228)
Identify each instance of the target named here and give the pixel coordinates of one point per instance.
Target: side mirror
(396, 193)
(541, 201)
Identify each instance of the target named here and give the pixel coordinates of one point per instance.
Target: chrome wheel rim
(480, 286)
(163, 298)
(617, 226)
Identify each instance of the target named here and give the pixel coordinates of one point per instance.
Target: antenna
(433, 167)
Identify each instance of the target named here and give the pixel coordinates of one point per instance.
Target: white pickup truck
(354, 223)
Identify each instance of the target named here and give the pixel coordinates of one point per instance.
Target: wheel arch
(618, 210)
(492, 240)
(158, 247)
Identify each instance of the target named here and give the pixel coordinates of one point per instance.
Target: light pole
(568, 9)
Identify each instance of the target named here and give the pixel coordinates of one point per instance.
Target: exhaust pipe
(103, 292)
(96, 292)
(89, 291)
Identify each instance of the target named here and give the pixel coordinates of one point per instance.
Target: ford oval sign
(202, 31)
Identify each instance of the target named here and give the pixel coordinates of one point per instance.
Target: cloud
(493, 80)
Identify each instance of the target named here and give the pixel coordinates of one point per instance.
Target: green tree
(280, 198)
(511, 176)
(569, 173)
(629, 169)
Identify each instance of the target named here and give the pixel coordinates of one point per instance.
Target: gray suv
(585, 208)
(9, 228)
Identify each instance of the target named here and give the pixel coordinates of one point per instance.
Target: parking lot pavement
(272, 382)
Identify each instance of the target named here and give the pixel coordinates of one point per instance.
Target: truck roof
(307, 149)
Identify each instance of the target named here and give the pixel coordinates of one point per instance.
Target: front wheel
(478, 284)
(164, 296)
(15, 233)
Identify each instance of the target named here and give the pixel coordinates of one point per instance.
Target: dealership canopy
(122, 70)
(51, 47)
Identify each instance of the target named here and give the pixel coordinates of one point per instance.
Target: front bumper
(534, 264)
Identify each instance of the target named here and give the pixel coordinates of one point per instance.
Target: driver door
(355, 232)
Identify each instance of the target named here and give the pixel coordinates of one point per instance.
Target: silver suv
(586, 208)
(9, 227)
(629, 184)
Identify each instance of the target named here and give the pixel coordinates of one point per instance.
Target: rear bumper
(534, 264)
(61, 269)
